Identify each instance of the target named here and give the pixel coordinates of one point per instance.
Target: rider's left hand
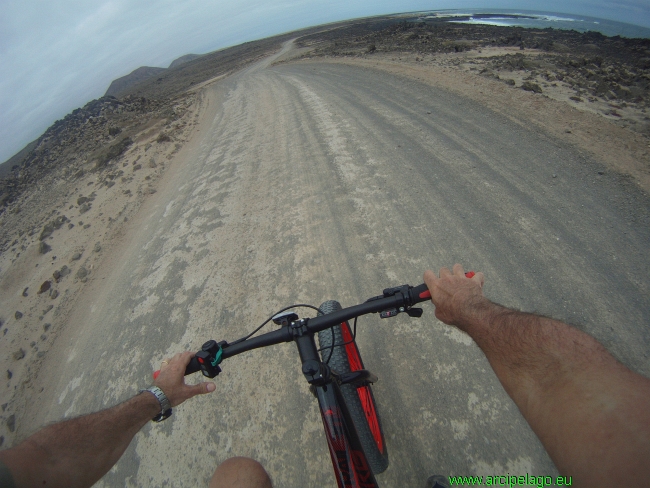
(171, 380)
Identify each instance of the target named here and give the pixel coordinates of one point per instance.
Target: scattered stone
(25, 291)
(530, 86)
(19, 354)
(510, 82)
(162, 137)
(576, 99)
(43, 248)
(150, 190)
(9, 375)
(11, 423)
(50, 227)
(137, 167)
(98, 247)
(40, 354)
(76, 256)
(86, 226)
(127, 192)
(54, 294)
(81, 200)
(82, 272)
(113, 152)
(84, 208)
(43, 337)
(47, 326)
(152, 163)
(70, 225)
(554, 175)
(44, 287)
(601, 173)
(109, 184)
(18, 315)
(47, 309)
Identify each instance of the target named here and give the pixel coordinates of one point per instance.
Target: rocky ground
(64, 204)
(66, 197)
(592, 72)
(55, 233)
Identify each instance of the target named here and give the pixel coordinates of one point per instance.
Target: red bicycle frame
(348, 459)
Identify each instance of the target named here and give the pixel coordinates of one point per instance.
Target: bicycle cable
(305, 305)
(271, 318)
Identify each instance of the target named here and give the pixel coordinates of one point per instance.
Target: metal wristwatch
(165, 406)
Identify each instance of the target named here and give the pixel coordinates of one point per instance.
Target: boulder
(44, 287)
(530, 86)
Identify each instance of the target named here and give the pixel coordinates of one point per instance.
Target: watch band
(165, 406)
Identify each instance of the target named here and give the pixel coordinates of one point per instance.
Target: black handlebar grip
(193, 367)
(419, 294)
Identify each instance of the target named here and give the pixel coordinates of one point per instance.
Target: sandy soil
(301, 183)
(588, 125)
(31, 320)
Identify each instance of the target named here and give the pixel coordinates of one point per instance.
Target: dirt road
(308, 182)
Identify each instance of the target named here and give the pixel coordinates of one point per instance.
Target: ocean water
(539, 20)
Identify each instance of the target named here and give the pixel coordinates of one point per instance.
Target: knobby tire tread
(377, 461)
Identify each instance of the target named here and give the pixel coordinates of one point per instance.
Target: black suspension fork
(348, 459)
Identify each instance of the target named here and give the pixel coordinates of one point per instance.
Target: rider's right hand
(454, 295)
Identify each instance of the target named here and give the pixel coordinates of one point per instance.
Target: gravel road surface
(315, 181)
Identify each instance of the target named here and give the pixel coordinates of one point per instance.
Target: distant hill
(136, 76)
(144, 73)
(184, 59)
(16, 159)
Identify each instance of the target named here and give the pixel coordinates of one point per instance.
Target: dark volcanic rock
(60, 273)
(44, 287)
(80, 137)
(50, 227)
(43, 247)
(11, 423)
(530, 86)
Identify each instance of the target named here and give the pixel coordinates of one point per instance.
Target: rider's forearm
(591, 413)
(78, 452)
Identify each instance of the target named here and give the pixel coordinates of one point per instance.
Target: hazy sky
(56, 56)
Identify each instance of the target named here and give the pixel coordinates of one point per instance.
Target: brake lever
(414, 312)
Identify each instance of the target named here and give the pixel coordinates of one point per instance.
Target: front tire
(360, 401)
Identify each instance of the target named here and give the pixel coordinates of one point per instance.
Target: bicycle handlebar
(393, 301)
